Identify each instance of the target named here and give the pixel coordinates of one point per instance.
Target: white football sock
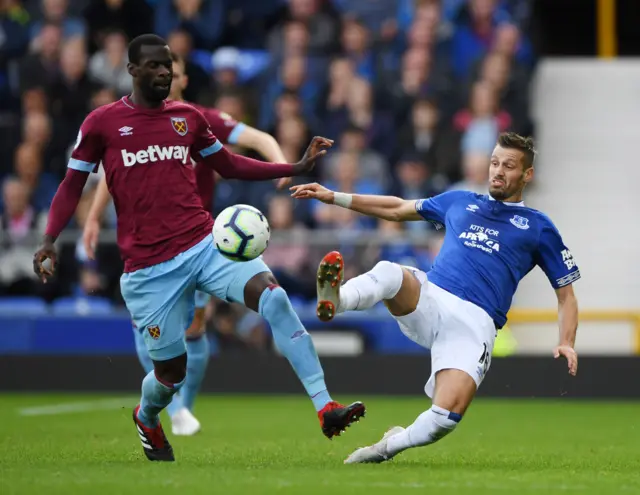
(366, 290)
(428, 428)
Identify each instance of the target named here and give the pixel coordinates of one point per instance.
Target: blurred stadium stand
(413, 91)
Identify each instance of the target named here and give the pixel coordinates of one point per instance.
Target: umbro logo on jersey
(472, 208)
(126, 131)
(520, 222)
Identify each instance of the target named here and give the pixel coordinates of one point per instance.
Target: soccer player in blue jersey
(491, 242)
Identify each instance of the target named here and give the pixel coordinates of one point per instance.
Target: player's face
(507, 176)
(154, 74)
(179, 83)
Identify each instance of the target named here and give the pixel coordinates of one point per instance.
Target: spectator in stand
(203, 19)
(475, 173)
(511, 84)
(292, 135)
(359, 110)
(323, 29)
(294, 41)
(108, 67)
(71, 93)
(14, 33)
(411, 83)
(28, 168)
(132, 17)
(181, 43)
(483, 120)
(425, 133)
(41, 67)
(21, 226)
(56, 12)
(371, 164)
(356, 46)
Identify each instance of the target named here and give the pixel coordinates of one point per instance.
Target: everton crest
(154, 331)
(179, 125)
(520, 222)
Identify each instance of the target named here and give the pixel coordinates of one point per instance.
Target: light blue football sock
(294, 343)
(155, 397)
(197, 360)
(143, 356)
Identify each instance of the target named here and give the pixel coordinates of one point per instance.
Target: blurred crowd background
(414, 92)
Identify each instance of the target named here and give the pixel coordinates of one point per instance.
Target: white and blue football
(241, 232)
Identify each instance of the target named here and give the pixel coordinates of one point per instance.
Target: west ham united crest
(179, 125)
(154, 331)
(520, 222)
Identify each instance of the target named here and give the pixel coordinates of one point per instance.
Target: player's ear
(528, 175)
(132, 69)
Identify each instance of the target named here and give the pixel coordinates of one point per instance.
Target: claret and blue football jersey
(490, 246)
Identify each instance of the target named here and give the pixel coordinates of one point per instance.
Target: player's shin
(156, 395)
(429, 427)
(147, 365)
(197, 360)
(294, 343)
(366, 290)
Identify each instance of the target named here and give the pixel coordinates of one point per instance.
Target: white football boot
(183, 423)
(375, 453)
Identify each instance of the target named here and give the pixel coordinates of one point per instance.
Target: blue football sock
(197, 360)
(143, 356)
(155, 397)
(294, 343)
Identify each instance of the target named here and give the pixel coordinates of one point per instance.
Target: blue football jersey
(489, 246)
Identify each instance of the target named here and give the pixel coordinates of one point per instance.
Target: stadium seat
(82, 306)
(26, 306)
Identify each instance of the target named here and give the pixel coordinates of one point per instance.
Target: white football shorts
(459, 334)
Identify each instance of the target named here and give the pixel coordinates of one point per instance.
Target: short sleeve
(89, 147)
(554, 257)
(205, 143)
(225, 128)
(435, 209)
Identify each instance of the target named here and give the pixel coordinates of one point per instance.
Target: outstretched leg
(389, 282)
(454, 391)
(263, 294)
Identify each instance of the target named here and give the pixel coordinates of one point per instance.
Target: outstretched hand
(570, 354)
(316, 149)
(312, 191)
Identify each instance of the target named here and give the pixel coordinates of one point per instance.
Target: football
(241, 232)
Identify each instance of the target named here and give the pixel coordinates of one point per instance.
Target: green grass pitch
(55, 444)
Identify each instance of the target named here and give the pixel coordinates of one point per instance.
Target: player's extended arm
(385, 207)
(568, 323)
(63, 207)
(232, 166)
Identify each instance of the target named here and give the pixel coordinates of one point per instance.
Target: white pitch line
(77, 407)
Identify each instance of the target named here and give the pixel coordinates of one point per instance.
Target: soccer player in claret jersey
(227, 130)
(491, 242)
(145, 145)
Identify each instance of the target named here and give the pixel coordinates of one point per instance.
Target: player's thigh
(407, 298)
(227, 279)
(421, 325)
(160, 299)
(464, 342)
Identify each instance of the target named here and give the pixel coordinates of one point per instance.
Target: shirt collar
(520, 203)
